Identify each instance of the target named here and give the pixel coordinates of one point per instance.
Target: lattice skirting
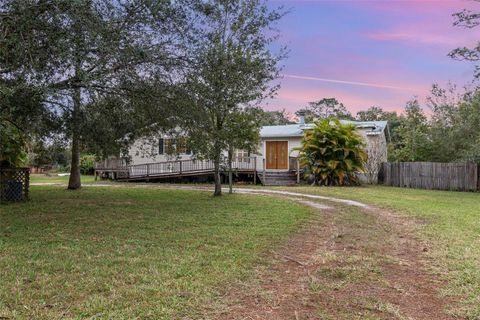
(14, 184)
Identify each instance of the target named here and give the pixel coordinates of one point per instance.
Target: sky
(370, 53)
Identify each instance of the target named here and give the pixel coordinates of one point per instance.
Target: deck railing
(181, 167)
(111, 164)
(244, 163)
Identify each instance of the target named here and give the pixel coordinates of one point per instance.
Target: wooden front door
(277, 155)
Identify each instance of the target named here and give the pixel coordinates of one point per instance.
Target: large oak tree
(88, 56)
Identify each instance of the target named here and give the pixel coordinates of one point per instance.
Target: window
(173, 146)
(169, 146)
(241, 154)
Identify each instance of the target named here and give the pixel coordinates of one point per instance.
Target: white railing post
(298, 171)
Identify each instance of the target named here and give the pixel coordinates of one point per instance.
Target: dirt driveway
(352, 261)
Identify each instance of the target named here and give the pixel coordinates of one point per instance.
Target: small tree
(232, 67)
(332, 153)
(413, 137)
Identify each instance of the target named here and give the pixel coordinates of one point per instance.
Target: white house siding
(146, 150)
(382, 142)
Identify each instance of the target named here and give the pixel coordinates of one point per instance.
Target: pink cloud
(432, 22)
(429, 7)
(424, 38)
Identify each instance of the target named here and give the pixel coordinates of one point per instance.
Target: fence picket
(432, 175)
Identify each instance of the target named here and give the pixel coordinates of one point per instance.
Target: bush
(87, 162)
(332, 153)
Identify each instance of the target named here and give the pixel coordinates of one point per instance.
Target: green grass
(42, 178)
(123, 253)
(450, 221)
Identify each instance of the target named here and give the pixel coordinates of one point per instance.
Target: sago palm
(332, 153)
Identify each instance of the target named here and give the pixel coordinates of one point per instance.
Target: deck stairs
(284, 178)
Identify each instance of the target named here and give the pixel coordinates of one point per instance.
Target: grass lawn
(124, 253)
(452, 224)
(42, 178)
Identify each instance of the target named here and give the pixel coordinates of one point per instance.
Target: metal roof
(296, 130)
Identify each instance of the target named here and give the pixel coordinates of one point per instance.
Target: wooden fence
(431, 175)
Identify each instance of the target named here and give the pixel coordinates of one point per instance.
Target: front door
(277, 155)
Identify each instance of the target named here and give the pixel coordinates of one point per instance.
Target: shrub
(87, 162)
(332, 153)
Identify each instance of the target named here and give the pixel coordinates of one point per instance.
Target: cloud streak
(355, 83)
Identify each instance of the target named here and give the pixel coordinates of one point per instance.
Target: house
(278, 142)
(274, 161)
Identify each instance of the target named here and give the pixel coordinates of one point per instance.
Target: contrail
(355, 83)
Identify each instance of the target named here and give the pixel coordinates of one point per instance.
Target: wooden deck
(120, 170)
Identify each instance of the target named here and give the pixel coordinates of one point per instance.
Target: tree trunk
(74, 182)
(218, 182)
(230, 178)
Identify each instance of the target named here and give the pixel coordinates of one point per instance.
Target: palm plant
(332, 153)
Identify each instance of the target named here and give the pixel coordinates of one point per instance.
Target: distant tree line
(448, 131)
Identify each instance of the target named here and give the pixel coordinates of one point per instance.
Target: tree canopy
(325, 108)
(274, 118)
(470, 20)
(82, 58)
(232, 69)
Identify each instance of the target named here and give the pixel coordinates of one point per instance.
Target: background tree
(80, 54)
(372, 114)
(233, 65)
(308, 115)
(274, 118)
(414, 143)
(470, 20)
(52, 151)
(332, 153)
(394, 122)
(326, 108)
(454, 124)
